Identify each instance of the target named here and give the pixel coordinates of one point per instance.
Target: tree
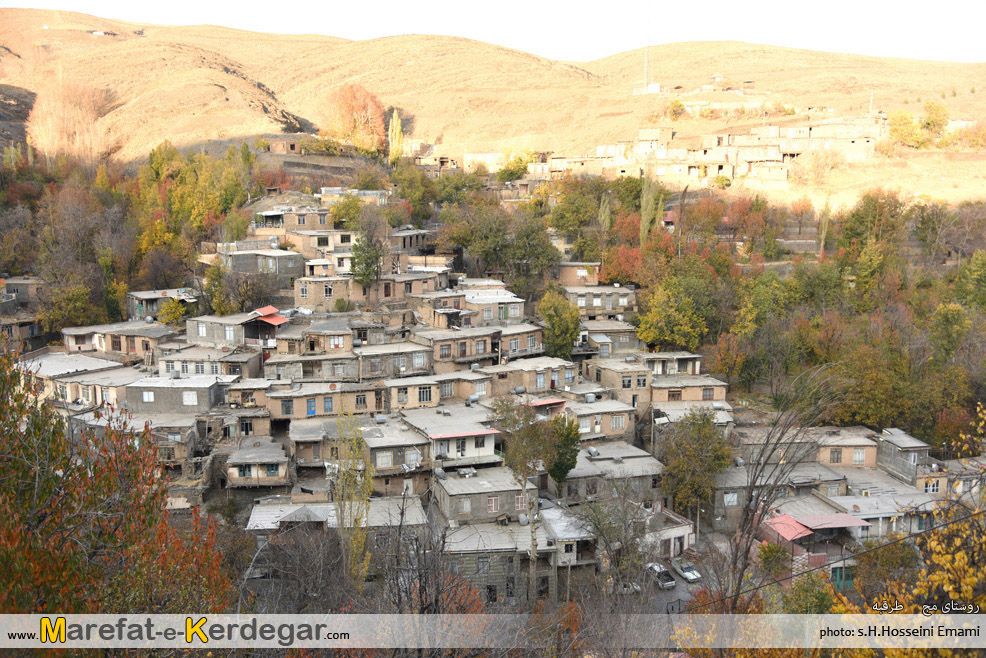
(676, 109)
(694, 452)
(346, 209)
(70, 307)
(530, 444)
(811, 594)
(567, 439)
(671, 321)
(935, 118)
(395, 139)
(727, 357)
(413, 185)
(971, 283)
(904, 131)
(371, 246)
(172, 312)
(354, 486)
(83, 526)
(784, 445)
(950, 324)
(514, 168)
(561, 324)
(355, 115)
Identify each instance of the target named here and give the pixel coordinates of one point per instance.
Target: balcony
(527, 351)
(269, 343)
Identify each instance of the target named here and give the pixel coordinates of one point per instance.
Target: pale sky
(576, 30)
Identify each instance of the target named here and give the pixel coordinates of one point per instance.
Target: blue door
(311, 407)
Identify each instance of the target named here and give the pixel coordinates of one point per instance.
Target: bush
(342, 305)
(722, 182)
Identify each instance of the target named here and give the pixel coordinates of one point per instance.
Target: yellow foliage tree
(355, 484)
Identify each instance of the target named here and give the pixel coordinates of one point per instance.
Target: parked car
(662, 577)
(624, 587)
(685, 569)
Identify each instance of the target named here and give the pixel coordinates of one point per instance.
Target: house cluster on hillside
(763, 156)
(265, 406)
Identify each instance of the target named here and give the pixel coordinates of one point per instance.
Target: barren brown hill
(202, 86)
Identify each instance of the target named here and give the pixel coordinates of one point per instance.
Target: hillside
(200, 86)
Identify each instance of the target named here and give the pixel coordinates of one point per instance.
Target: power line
(825, 566)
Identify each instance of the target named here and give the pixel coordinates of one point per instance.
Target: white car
(662, 577)
(685, 569)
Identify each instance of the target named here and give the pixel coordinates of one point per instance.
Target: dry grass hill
(202, 86)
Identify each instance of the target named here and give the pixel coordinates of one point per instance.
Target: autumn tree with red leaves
(354, 115)
(83, 527)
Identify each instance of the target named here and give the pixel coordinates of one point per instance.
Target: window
(327, 404)
(835, 456)
(514, 344)
(708, 393)
(272, 470)
(448, 389)
(488, 313)
(581, 301)
(243, 470)
(531, 342)
(832, 490)
(361, 401)
(402, 395)
(493, 504)
(483, 565)
(572, 489)
(623, 300)
(730, 499)
(465, 505)
(214, 368)
(424, 394)
(301, 220)
(460, 447)
(412, 456)
(585, 424)
(337, 342)
(166, 454)
(540, 380)
(189, 398)
(418, 360)
(199, 368)
(169, 366)
(641, 381)
(503, 312)
(481, 389)
(569, 375)
(287, 407)
(674, 396)
(385, 459)
(520, 501)
(339, 369)
(229, 333)
(303, 291)
(931, 486)
(479, 442)
(616, 422)
(327, 290)
(310, 407)
(246, 426)
(491, 593)
(912, 457)
(597, 300)
(627, 382)
(184, 367)
(858, 456)
(148, 395)
(590, 487)
(201, 329)
(445, 351)
(480, 347)
(345, 239)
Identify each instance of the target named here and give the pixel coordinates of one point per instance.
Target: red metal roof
(274, 319)
(267, 310)
(787, 527)
(545, 402)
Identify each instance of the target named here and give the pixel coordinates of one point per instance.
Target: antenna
(646, 53)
